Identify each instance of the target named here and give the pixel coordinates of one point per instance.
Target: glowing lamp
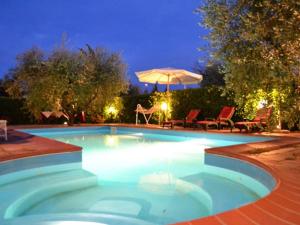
(112, 110)
(164, 106)
(262, 104)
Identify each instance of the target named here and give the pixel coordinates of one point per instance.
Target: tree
(155, 88)
(259, 44)
(3, 84)
(68, 81)
(212, 74)
(133, 90)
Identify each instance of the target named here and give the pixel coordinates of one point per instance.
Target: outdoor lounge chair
(145, 112)
(260, 121)
(189, 120)
(55, 114)
(223, 120)
(3, 129)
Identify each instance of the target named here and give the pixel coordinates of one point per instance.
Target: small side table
(3, 129)
(168, 124)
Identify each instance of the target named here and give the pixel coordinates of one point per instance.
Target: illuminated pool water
(130, 176)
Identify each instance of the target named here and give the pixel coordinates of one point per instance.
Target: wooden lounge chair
(3, 129)
(223, 120)
(145, 112)
(188, 121)
(260, 121)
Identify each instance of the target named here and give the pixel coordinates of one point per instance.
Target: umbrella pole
(168, 100)
(168, 84)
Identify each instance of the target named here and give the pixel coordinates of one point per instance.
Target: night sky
(148, 33)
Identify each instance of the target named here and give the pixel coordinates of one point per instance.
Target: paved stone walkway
(21, 145)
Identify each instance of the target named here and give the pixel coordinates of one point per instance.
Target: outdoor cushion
(261, 120)
(190, 117)
(222, 120)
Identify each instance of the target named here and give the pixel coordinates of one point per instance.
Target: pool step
(76, 218)
(20, 176)
(17, 197)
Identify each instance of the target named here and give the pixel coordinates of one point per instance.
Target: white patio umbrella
(169, 76)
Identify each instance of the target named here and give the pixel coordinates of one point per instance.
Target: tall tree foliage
(68, 81)
(259, 44)
(212, 74)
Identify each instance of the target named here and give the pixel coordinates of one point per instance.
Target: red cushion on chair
(226, 112)
(192, 115)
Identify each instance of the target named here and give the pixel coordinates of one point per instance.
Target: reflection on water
(111, 141)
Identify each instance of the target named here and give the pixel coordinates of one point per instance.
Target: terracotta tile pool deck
(281, 157)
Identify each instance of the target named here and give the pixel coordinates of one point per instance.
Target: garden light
(262, 104)
(164, 106)
(112, 110)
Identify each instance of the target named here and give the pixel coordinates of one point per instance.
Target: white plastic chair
(144, 111)
(3, 129)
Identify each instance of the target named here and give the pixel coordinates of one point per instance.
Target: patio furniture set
(170, 76)
(223, 120)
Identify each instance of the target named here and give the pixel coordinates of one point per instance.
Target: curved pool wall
(14, 171)
(17, 202)
(40, 161)
(242, 167)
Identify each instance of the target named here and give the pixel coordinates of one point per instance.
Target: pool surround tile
(20, 145)
(234, 217)
(261, 216)
(211, 220)
(276, 209)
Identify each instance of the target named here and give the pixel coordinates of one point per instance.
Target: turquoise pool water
(130, 176)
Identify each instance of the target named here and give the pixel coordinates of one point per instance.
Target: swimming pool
(129, 176)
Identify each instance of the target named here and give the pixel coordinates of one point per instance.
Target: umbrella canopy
(169, 76)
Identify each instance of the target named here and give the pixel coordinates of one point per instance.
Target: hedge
(128, 114)
(209, 99)
(13, 110)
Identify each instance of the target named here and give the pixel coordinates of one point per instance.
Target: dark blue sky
(148, 33)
